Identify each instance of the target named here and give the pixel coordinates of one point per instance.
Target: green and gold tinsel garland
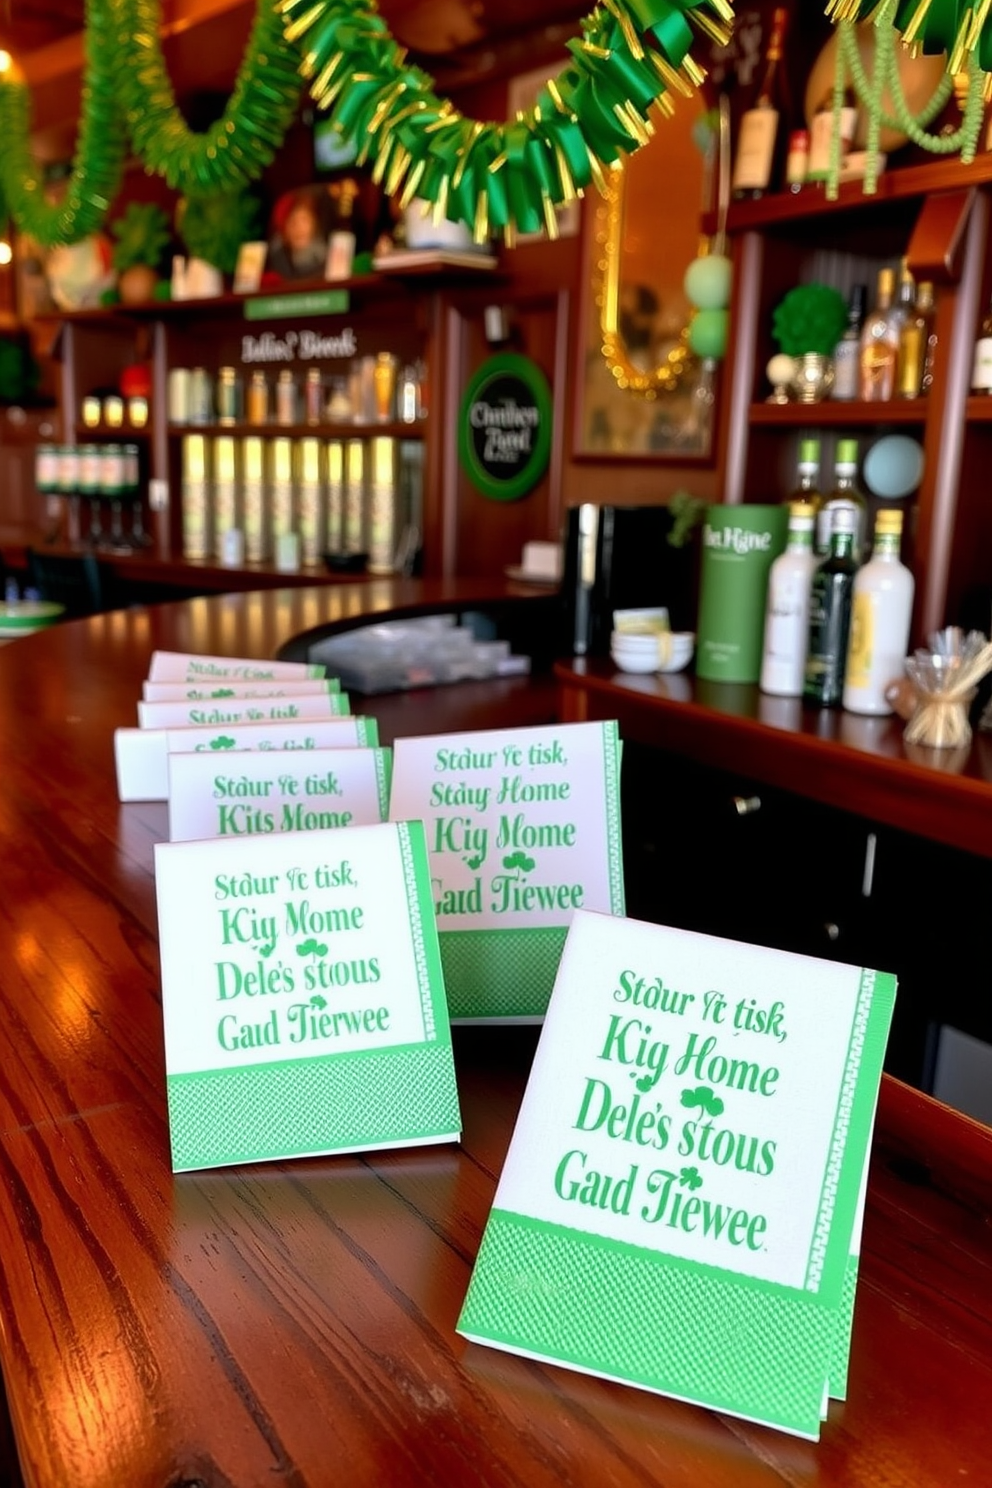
(99, 156)
(127, 93)
(237, 148)
(501, 177)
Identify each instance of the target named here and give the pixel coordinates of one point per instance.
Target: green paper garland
(500, 177)
(99, 157)
(126, 87)
(238, 146)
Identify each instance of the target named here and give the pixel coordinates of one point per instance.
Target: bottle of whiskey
(914, 364)
(831, 593)
(762, 127)
(880, 344)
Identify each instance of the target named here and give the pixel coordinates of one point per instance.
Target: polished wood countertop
(294, 1322)
(840, 759)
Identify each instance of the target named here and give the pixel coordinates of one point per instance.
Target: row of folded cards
(680, 1208)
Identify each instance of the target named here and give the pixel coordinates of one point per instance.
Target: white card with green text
(679, 1207)
(227, 712)
(195, 692)
(523, 829)
(187, 666)
(302, 996)
(261, 794)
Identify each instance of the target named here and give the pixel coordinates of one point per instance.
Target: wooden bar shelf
(828, 414)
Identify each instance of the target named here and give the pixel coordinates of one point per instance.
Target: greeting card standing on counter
(142, 755)
(227, 712)
(260, 794)
(176, 692)
(523, 827)
(186, 666)
(679, 1208)
(302, 996)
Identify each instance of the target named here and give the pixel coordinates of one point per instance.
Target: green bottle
(808, 467)
(845, 496)
(830, 615)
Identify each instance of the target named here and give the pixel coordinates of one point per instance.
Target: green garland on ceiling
(127, 94)
(237, 147)
(99, 157)
(505, 177)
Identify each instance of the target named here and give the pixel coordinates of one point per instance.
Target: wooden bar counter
(293, 1322)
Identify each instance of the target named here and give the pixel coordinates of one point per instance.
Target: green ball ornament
(707, 282)
(708, 333)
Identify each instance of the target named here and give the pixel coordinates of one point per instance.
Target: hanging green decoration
(961, 28)
(885, 79)
(126, 91)
(100, 147)
(237, 148)
(505, 177)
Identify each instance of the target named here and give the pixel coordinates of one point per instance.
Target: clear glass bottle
(880, 344)
(790, 579)
(845, 496)
(847, 353)
(760, 134)
(914, 365)
(831, 594)
(881, 612)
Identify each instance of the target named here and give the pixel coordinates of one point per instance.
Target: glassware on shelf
(89, 479)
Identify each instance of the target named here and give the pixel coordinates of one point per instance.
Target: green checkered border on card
(383, 778)
(299, 1106)
(614, 846)
(500, 973)
(679, 1327)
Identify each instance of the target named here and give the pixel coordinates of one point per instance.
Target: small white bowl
(635, 661)
(675, 650)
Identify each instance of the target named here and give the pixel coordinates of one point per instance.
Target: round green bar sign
(504, 427)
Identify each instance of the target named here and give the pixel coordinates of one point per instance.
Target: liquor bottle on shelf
(880, 344)
(881, 611)
(783, 659)
(831, 594)
(808, 471)
(845, 496)
(847, 353)
(762, 127)
(914, 364)
(981, 372)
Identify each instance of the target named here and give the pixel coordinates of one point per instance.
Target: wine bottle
(847, 353)
(783, 657)
(831, 593)
(880, 344)
(881, 611)
(981, 373)
(914, 364)
(761, 127)
(845, 496)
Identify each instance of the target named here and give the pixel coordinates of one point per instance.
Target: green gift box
(740, 543)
